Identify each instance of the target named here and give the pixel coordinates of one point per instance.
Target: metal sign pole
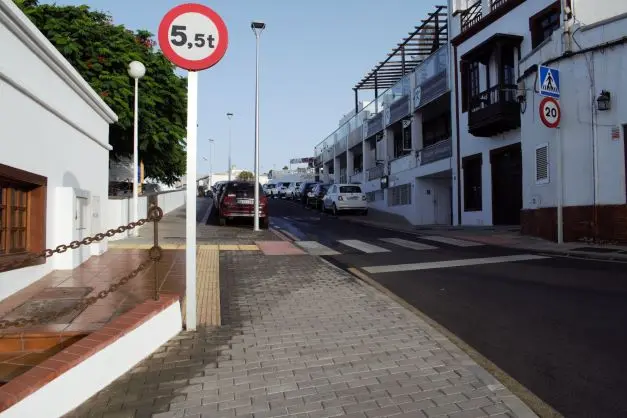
(190, 209)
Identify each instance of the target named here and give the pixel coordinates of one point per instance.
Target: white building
(55, 153)
(592, 61)
(398, 146)
(498, 135)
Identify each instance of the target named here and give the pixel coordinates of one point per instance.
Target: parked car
(290, 193)
(345, 197)
(305, 189)
(317, 196)
(282, 189)
(238, 201)
(271, 190)
(219, 190)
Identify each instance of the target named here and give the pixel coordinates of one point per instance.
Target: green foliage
(101, 52)
(246, 176)
(285, 167)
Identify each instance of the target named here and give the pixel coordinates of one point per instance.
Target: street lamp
(211, 141)
(136, 70)
(257, 28)
(230, 116)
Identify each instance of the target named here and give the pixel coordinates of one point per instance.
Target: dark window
(436, 129)
(350, 189)
(472, 183)
(543, 24)
(22, 214)
(507, 60)
(470, 83)
(242, 189)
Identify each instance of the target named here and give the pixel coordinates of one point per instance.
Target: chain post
(155, 253)
(155, 261)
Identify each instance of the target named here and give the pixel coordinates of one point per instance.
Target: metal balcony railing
(471, 16)
(376, 172)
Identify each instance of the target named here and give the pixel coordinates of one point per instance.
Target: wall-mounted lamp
(604, 101)
(521, 96)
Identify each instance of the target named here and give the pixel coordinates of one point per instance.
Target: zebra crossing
(376, 246)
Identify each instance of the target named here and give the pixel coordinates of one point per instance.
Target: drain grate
(63, 293)
(45, 307)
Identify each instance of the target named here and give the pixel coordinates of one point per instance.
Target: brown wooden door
(506, 167)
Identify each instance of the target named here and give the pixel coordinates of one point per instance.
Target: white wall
(53, 125)
(119, 210)
(515, 22)
(609, 70)
(592, 11)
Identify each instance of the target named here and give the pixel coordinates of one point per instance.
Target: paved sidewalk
(304, 339)
(500, 236)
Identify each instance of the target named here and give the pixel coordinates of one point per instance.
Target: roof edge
(18, 23)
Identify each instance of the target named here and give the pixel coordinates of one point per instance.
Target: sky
(311, 55)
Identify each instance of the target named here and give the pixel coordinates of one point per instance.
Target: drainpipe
(458, 159)
(595, 143)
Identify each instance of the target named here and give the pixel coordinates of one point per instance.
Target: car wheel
(334, 210)
(222, 221)
(265, 223)
(365, 212)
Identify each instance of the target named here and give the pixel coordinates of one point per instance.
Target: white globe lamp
(136, 70)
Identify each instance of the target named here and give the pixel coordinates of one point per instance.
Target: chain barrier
(155, 213)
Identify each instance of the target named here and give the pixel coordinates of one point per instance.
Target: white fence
(119, 211)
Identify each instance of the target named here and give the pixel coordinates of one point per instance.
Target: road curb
(527, 404)
(566, 253)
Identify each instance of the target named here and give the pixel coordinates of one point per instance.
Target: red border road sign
(550, 121)
(193, 65)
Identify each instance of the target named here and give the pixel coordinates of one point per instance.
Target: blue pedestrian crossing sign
(549, 82)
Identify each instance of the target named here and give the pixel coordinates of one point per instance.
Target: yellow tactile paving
(207, 288)
(248, 248)
(209, 246)
(228, 247)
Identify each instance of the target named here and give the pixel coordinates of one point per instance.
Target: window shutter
(542, 164)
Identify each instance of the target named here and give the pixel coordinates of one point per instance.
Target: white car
(290, 192)
(345, 197)
(271, 190)
(282, 189)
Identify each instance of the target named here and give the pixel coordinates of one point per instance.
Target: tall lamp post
(257, 28)
(136, 70)
(230, 116)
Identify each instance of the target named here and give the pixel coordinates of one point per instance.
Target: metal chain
(154, 256)
(155, 214)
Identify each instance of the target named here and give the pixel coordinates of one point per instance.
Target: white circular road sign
(550, 112)
(193, 37)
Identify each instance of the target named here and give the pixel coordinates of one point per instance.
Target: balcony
(375, 172)
(494, 111)
(436, 152)
(357, 177)
(471, 16)
(474, 19)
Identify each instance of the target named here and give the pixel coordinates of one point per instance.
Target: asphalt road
(556, 325)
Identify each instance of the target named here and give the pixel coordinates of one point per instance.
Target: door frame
(494, 155)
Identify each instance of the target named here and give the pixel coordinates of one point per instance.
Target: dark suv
(237, 200)
(317, 194)
(305, 189)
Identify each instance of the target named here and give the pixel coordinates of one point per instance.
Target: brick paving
(304, 339)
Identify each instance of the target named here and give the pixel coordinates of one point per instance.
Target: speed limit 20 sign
(550, 112)
(193, 37)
